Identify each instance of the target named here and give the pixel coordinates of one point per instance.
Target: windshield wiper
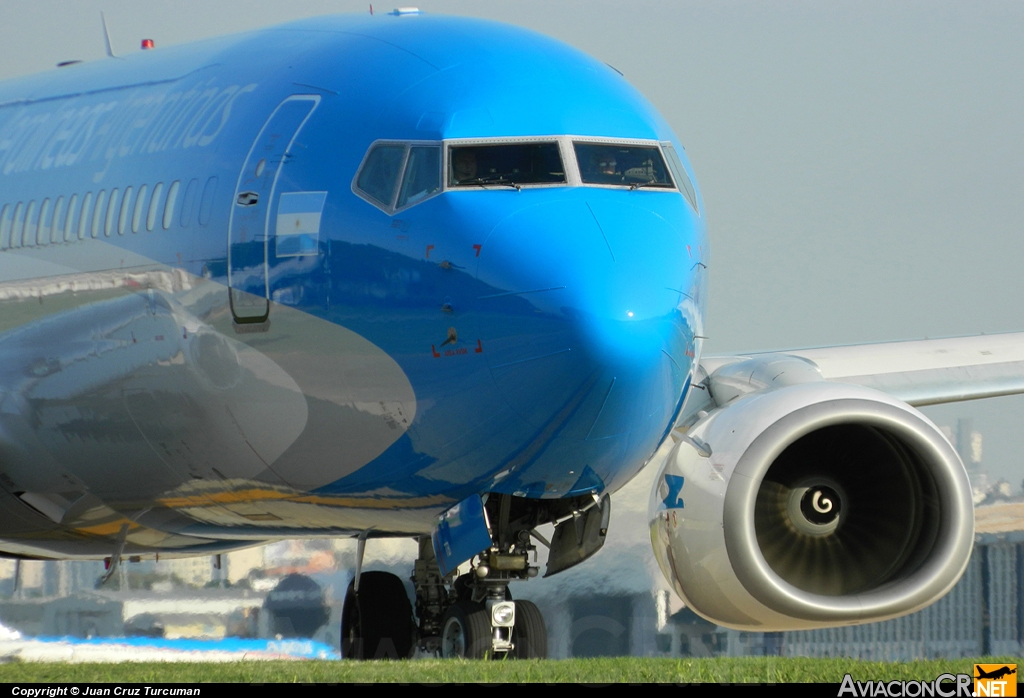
(499, 180)
(648, 183)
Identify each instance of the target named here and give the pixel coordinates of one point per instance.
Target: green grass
(603, 670)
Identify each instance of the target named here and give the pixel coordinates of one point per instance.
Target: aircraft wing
(921, 372)
(810, 481)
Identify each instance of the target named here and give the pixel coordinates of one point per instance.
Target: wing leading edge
(921, 372)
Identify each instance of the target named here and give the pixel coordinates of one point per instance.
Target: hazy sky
(860, 162)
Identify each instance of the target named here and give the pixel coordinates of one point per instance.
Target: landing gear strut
(473, 615)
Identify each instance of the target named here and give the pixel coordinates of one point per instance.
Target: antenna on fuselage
(371, 8)
(106, 35)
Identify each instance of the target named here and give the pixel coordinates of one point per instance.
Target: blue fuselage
(208, 333)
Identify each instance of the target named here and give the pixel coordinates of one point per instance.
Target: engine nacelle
(812, 505)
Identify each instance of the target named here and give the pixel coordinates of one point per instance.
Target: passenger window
(43, 229)
(69, 224)
(172, 197)
(97, 212)
(151, 214)
(5, 226)
(422, 175)
(189, 203)
(108, 224)
(28, 236)
(83, 215)
(379, 174)
(140, 203)
(57, 231)
(679, 173)
(206, 204)
(18, 225)
(122, 219)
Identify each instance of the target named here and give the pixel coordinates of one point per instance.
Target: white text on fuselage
(94, 128)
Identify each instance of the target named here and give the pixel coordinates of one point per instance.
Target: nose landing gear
(529, 634)
(479, 619)
(471, 616)
(466, 631)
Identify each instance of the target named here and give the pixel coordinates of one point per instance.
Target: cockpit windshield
(505, 164)
(621, 164)
(396, 175)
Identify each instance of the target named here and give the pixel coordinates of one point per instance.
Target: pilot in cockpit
(604, 168)
(463, 165)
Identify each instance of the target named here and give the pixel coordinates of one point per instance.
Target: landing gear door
(249, 229)
(579, 537)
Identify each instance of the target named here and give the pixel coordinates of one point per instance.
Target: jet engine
(809, 505)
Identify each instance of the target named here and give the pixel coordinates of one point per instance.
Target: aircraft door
(249, 228)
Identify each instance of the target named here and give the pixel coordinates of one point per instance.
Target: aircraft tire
(529, 634)
(377, 622)
(466, 631)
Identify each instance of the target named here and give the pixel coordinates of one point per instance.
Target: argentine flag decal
(298, 223)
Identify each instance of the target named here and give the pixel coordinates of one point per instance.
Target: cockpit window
(394, 176)
(422, 175)
(508, 164)
(679, 172)
(380, 172)
(621, 164)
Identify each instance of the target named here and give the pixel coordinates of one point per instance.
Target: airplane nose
(588, 339)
